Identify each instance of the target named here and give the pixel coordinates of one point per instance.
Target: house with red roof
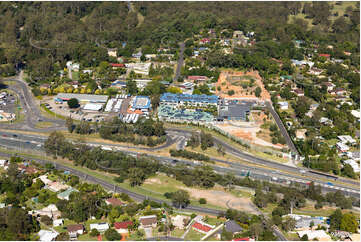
(202, 227)
(243, 239)
(197, 79)
(327, 56)
(205, 41)
(117, 65)
(114, 202)
(122, 227)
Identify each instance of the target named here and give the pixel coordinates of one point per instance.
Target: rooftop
(171, 97)
(123, 225)
(83, 97)
(141, 102)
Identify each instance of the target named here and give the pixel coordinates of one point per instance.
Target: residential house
(44, 179)
(355, 166)
(150, 56)
(148, 221)
(283, 105)
(74, 230)
(112, 52)
(205, 41)
(340, 91)
(56, 186)
(87, 72)
(122, 227)
(139, 68)
(47, 235)
(356, 114)
(327, 56)
(137, 55)
(341, 234)
(101, 227)
(25, 168)
(119, 84)
(354, 155)
(342, 147)
(4, 163)
(197, 79)
(346, 139)
(51, 211)
(337, 91)
(243, 239)
(330, 86)
(117, 65)
(326, 121)
(179, 221)
(314, 106)
(58, 222)
(301, 134)
(320, 235)
(302, 63)
(299, 92)
(114, 202)
(66, 194)
(315, 71)
(202, 227)
(232, 227)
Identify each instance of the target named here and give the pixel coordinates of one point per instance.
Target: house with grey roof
(233, 227)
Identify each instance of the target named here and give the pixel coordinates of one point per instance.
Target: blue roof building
(193, 100)
(141, 103)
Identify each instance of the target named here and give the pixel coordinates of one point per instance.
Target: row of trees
(204, 139)
(189, 155)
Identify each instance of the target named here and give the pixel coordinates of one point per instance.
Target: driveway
(148, 232)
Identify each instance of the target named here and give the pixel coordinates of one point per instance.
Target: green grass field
(340, 9)
(193, 235)
(43, 124)
(75, 75)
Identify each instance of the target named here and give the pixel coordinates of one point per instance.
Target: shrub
(94, 232)
(202, 201)
(73, 103)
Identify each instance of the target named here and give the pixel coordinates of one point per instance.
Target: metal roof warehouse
(182, 98)
(83, 97)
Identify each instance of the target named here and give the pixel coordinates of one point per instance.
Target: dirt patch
(242, 83)
(153, 181)
(222, 198)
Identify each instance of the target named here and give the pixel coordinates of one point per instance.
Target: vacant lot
(216, 196)
(240, 85)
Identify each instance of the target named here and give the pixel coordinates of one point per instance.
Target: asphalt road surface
(282, 128)
(31, 109)
(31, 142)
(255, 160)
(180, 61)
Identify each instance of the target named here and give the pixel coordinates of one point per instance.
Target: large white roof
(93, 106)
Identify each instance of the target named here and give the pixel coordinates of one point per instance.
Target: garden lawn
(193, 235)
(177, 233)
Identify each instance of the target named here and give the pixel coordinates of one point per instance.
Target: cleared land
(242, 84)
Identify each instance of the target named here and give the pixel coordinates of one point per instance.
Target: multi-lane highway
(35, 142)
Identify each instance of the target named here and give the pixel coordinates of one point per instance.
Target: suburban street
(282, 128)
(180, 61)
